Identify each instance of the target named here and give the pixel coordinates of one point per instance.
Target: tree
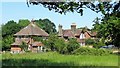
(55, 43)
(63, 7)
(89, 41)
(109, 28)
(8, 30)
(47, 25)
(6, 42)
(60, 44)
(72, 45)
(24, 46)
(23, 22)
(50, 42)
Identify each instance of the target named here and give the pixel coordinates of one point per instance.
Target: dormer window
(82, 36)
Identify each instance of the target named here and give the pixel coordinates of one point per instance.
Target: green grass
(55, 59)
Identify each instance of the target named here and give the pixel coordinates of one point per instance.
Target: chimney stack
(60, 32)
(73, 27)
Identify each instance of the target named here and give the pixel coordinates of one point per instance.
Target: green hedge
(91, 51)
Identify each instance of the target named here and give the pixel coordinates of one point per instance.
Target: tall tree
(8, 30)
(23, 22)
(47, 25)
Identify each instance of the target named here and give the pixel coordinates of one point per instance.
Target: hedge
(91, 51)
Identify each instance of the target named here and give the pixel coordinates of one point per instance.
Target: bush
(98, 44)
(89, 41)
(55, 43)
(72, 45)
(91, 51)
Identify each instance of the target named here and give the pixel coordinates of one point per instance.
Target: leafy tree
(6, 42)
(55, 43)
(109, 28)
(50, 42)
(89, 41)
(47, 25)
(10, 28)
(64, 7)
(99, 43)
(24, 46)
(60, 44)
(23, 22)
(72, 45)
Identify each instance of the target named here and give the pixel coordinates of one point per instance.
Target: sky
(20, 10)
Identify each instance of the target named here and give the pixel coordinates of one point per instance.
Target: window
(82, 36)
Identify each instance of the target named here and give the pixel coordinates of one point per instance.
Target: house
(26, 35)
(79, 34)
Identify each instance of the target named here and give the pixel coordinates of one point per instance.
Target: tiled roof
(69, 33)
(31, 29)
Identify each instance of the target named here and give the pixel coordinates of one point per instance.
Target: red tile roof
(69, 33)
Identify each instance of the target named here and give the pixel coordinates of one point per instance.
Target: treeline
(12, 27)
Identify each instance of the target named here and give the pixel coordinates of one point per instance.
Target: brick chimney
(60, 32)
(73, 27)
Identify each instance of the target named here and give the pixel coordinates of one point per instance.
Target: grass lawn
(55, 59)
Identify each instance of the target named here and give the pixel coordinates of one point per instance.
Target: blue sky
(20, 10)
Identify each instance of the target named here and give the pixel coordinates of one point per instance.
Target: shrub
(98, 44)
(91, 51)
(89, 41)
(55, 43)
(72, 45)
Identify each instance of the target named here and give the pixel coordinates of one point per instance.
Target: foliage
(64, 7)
(24, 46)
(72, 45)
(89, 41)
(6, 42)
(91, 51)
(10, 28)
(50, 42)
(99, 43)
(56, 59)
(23, 22)
(55, 43)
(109, 28)
(47, 25)
(58, 44)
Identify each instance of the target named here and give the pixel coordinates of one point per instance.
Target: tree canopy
(64, 7)
(47, 25)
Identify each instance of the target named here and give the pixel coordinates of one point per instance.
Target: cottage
(26, 35)
(79, 34)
